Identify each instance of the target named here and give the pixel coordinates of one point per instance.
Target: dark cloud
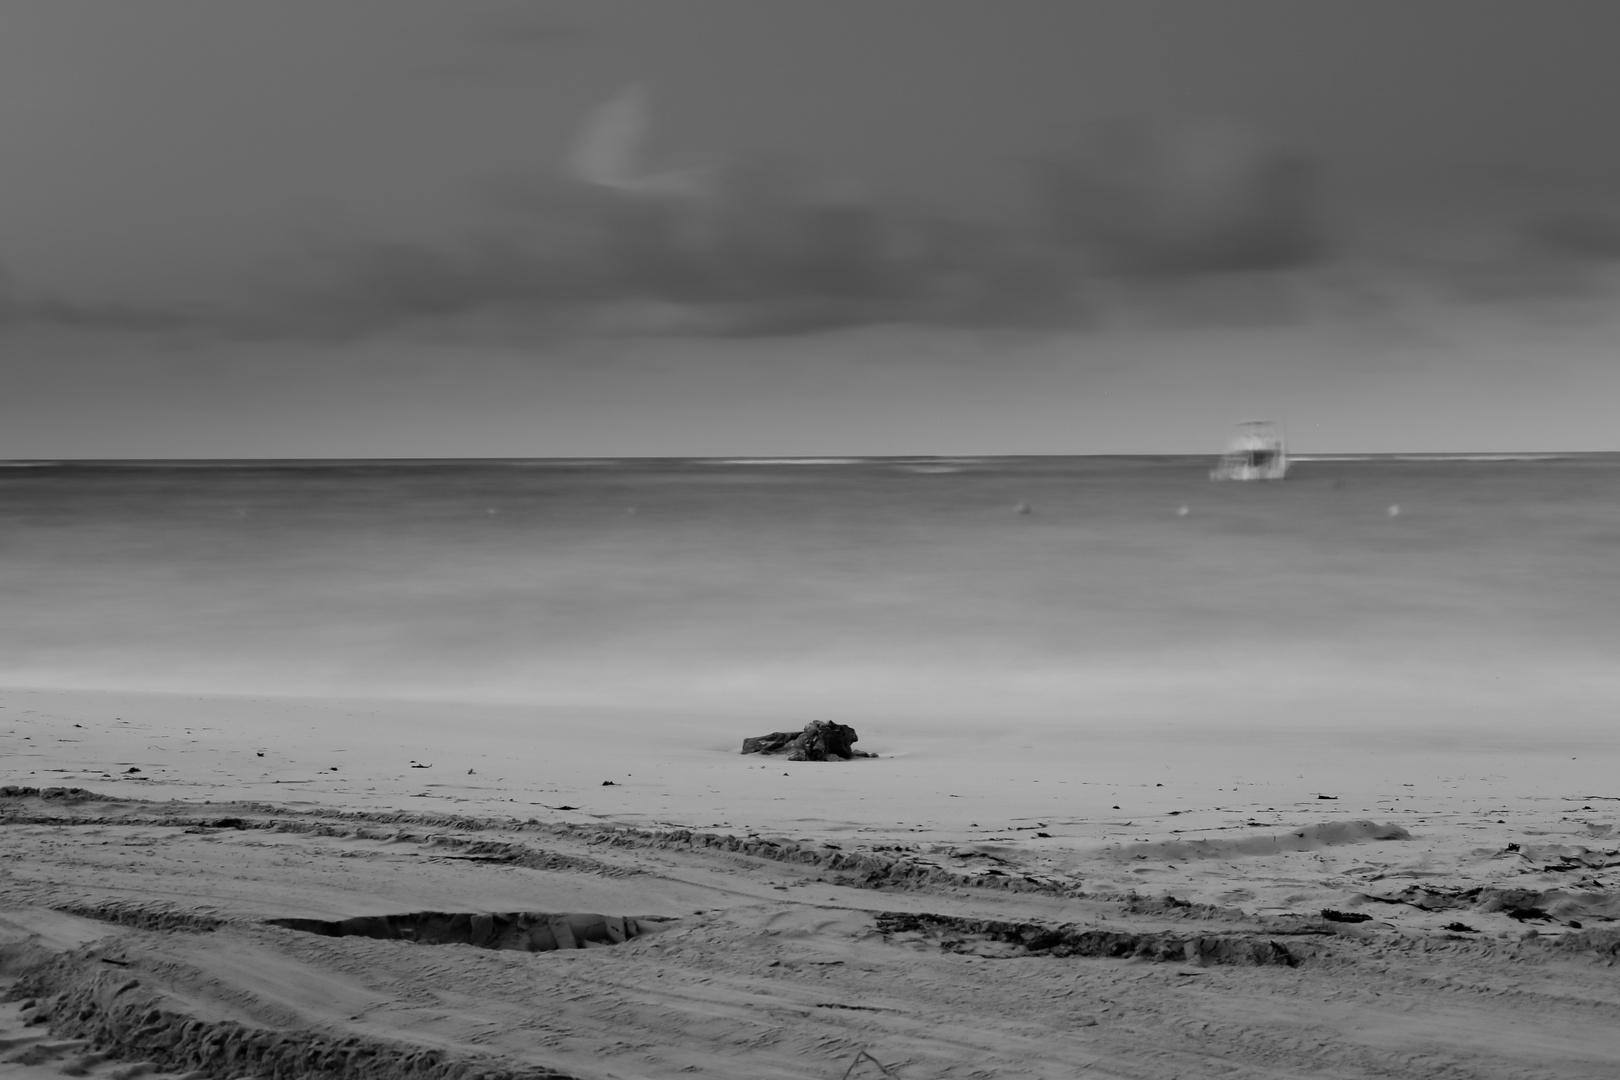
(762, 246)
(19, 308)
(1183, 198)
(766, 245)
(1581, 234)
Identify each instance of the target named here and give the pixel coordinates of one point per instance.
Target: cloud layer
(765, 244)
(1192, 222)
(1171, 200)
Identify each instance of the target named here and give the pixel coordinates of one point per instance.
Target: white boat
(1257, 452)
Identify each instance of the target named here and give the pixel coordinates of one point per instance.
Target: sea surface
(1375, 591)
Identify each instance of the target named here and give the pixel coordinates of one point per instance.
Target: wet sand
(977, 900)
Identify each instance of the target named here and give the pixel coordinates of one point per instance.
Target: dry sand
(1017, 900)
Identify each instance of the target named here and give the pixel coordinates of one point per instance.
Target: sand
(1151, 901)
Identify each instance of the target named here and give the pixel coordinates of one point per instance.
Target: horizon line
(805, 459)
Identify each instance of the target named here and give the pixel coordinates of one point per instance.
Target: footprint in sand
(31, 1052)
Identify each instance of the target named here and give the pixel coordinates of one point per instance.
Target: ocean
(1378, 591)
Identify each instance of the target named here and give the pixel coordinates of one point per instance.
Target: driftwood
(821, 740)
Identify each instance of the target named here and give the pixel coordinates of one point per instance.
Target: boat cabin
(1257, 452)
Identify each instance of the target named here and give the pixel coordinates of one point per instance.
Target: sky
(711, 227)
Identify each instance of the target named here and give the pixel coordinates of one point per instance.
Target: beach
(1127, 902)
(433, 768)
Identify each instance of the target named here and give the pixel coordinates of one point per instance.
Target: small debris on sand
(1345, 916)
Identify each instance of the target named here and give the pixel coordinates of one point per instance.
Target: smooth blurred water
(910, 588)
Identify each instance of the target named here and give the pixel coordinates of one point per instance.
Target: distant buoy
(1022, 508)
(1394, 511)
(1182, 511)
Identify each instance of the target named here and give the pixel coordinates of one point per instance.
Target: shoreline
(686, 770)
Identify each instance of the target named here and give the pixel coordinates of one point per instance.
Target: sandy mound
(1311, 838)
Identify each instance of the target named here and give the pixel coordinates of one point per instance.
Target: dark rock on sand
(1523, 913)
(821, 740)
